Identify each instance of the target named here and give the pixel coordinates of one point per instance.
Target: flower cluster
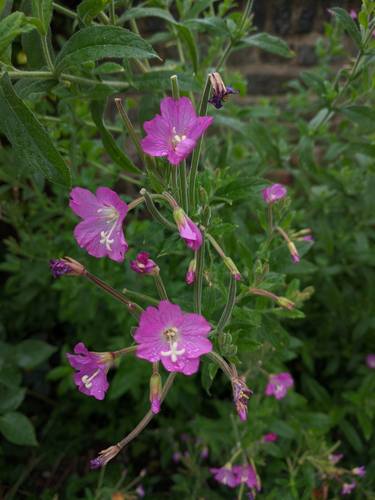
(234, 475)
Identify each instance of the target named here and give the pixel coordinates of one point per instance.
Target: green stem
(228, 309)
(160, 287)
(183, 181)
(198, 284)
(197, 151)
(125, 350)
(129, 127)
(140, 296)
(214, 356)
(46, 53)
(112, 13)
(149, 415)
(155, 212)
(64, 10)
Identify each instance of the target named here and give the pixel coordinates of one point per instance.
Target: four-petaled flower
(347, 488)
(279, 384)
(142, 264)
(100, 232)
(226, 475)
(92, 368)
(175, 338)
(189, 231)
(175, 132)
(274, 193)
(241, 394)
(247, 474)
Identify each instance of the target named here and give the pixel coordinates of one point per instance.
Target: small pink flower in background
(241, 394)
(279, 384)
(226, 475)
(140, 491)
(92, 368)
(335, 458)
(247, 474)
(370, 360)
(353, 14)
(347, 488)
(175, 338)
(190, 274)
(176, 457)
(271, 437)
(308, 237)
(293, 252)
(189, 231)
(175, 132)
(100, 232)
(274, 193)
(142, 264)
(359, 471)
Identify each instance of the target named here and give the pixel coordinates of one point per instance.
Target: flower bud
(155, 392)
(190, 275)
(273, 193)
(232, 268)
(67, 266)
(142, 264)
(293, 252)
(219, 91)
(189, 231)
(286, 303)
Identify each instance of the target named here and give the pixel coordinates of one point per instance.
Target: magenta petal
(109, 198)
(178, 112)
(83, 202)
(200, 126)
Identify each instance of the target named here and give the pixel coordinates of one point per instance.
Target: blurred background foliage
(318, 139)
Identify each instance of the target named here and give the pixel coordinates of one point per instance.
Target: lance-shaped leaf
(344, 20)
(269, 43)
(98, 42)
(31, 143)
(11, 27)
(42, 9)
(89, 9)
(117, 155)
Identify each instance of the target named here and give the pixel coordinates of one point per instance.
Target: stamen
(86, 380)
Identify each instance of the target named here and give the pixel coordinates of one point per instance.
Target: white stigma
(176, 137)
(111, 215)
(173, 353)
(87, 381)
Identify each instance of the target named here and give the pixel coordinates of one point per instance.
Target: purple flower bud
(347, 488)
(232, 268)
(271, 437)
(370, 360)
(309, 237)
(190, 275)
(67, 266)
(104, 457)
(274, 193)
(144, 265)
(220, 92)
(189, 231)
(353, 14)
(204, 452)
(359, 471)
(293, 252)
(241, 394)
(155, 392)
(140, 491)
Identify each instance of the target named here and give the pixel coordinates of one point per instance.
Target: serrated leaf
(42, 9)
(31, 353)
(18, 429)
(97, 42)
(117, 155)
(269, 43)
(343, 18)
(29, 139)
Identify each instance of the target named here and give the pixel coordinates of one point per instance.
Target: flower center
(174, 352)
(111, 215)
(87, 381)
(176, 138)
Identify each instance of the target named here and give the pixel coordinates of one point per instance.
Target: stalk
(228, 309)
(198, 284)
(155, 212)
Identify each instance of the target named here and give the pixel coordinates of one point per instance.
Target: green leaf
(42, 9)
(117, 155)
(138, 12)
(11, 27)
(186, 36)
(31, 353)
(269, 43)
(364, 116)
(11, 397)
(88, 9)
(351, 435)
(343, 19)
(30, 141)
(18, 429)
(97, 42)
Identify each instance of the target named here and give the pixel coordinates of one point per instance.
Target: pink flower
(92, 368)
(347, 488)
(335, 458)
(140, 491)
(241, 394)
(176, 457)
(359, 471)
(100, 232)
(309, 237)
(370, 360)
(175, 338)
(247, 474)
(279, 384)
(189, 231)
(353, 14)
(226, 475)
(143, 264)
(271, 437)
(175, 132)
(273, 193)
